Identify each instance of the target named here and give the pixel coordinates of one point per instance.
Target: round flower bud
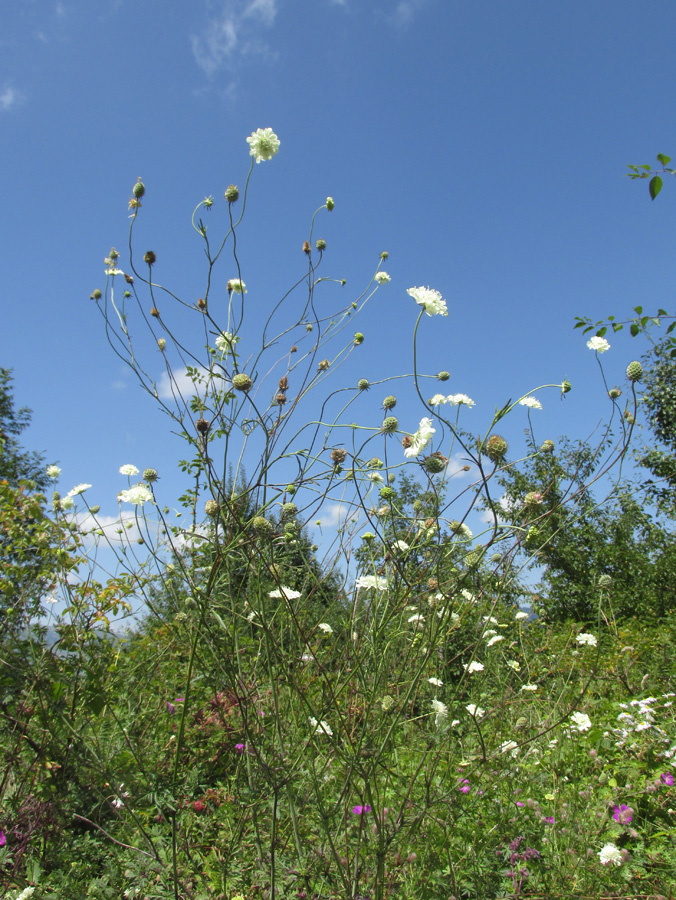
(417, 505)
(261, 525)
(212, 509)
(363, 384)
(406, 442)
(320, 244)
(368, 536)
(127, 295)
(533, 537)
(387, 703)
(566, 386)
(435, 463)
(95, 509)
(547, 446)
(323, 365)
(384, 254)
(95, 295)
(291, 489)
(391, 478)
(532, 498)
(289, 509)
(630, 419)
(358, 338)
(338, 455)
(308, 327)
(375, 463)
(201, 304)
(614, 393)
(389, 402)
(232, 193)
(473, 559)
(150, 475)
(154, 312)
(139, 189)
(149, 257)
(386, 493)
(242, 382)
(390, 424)
(202, 425)
(634, 371)
(495, 448)
(306, 247)
(605, 581)
(443, 376)
(329, 203)
(161, 343)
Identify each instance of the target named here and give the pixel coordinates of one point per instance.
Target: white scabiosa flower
(128, 469)
(608, 854)
(137, 495)
(430, 300)
(513, 664)
(475, 711)
(581, 721)
(325, 627)
(460, 400)
(320, 727)
(286, 592)
(521, 615)
(495, 640)
(224, 341)
(436, 682)
(78, 489)
(371, 581)
(599, 344)
(440, 711)
(438, 400)
(474, 666)
(401, 546)
(421, 438)
(236, 285)
(53, 472)
(509, 747)
(382, 278)
(530, 402)
(588, 640)
(528, 687)
(263, 144)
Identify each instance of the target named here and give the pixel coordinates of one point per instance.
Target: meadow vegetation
(415, 711)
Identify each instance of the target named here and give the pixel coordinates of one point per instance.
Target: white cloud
(10, 97)
(333, 515)
(110, 526)
(406, 9)
(179, 385)
(233, 34)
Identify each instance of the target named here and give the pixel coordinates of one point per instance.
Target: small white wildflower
(599, 344)
(78, 489)
(530, 402)
(237, 286)
(438, 400)
(588, 639)
(284, 592)
(416, 619)
(460, 400)
(402, 546)
(581, 721)
(421, 438)
(325, 627)
(513, 664)
(66, 503)
(474, 666)
(437, 682)
(521, 615)
(430, 300)
(128, 469)
(490, 619)
(468, 595)
(609, 853)
(455, 722)
(224, 341)
(528, 687)
(26, 893)
(382, 278)
(320, 727)
(371, 581)
(476, 711)
(263, 143)
(111, 271)
(137, 495)
(376, 478)
(495, 640)
(440, 711)
(53, 472)
(508, 747)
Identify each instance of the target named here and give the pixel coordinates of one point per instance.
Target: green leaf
(663, 159)
(634, 329)
(671, 327)
(96, 702)
(601, 332)
(633, 168)
(638, 310)
(647, 168)
(655, 186)
(662, 312)
(617, 326)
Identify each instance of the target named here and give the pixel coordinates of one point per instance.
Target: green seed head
(547, 447)
(242, 382)
(362, 384)
(443, 375)
(634, 371)
(389, 402)
(390, 424)
(139, 189)
(495, 448)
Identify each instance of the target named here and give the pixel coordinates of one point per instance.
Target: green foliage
(16, 464)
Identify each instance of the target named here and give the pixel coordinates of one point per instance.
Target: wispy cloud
(10, 97)
(405, 10)
(334, 515)
(180, 386)
(234, 34)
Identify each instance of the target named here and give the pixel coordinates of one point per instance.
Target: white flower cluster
(599, 344)
(421, 438)
(530, 402)
(320, 727)
(137, 495)
(263, 143)
(452, 400)
(286, 593)
(440, 711)
(581, 721)
(588, 640)
(609, 853)
(371, 581)
(642, 718)
(430, 300)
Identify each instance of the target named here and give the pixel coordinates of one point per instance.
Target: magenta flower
(239, 748)
(464, 787)
(171, 708)
(667, 778)
(360, 810)
(519, 803)
(549, 820)
(3, 838)
(623, 814)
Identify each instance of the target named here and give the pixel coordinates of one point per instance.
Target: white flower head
(53, 472)
(237, 286)
(513, 664)
(128, 469)
(587, 639)
(599, 344)
(509, 747)
(430, 300)
(440, 711)
(401, 546)
(137, 495)
(285, 592)
(530, 402)
(521, 615)
(528, 687)
(264, 144)
(416, 619)
(224, 341)
(78, 489)
(371, 581)
(495, 640)
(111, 271)
(460, 400)
(436, 682)
(320, 727)
(421, 438)
(438, 400)
(474, 666)
(581, 721)
(376, 477)
(609, 853)
(475, 711)
(26, 893)
(382, 278)
(325, 627)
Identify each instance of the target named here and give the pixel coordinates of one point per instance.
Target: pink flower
(667, 778)
(3, 838)
(464, 787)
(623, 814)
(549, 820)
(360, 810)
(239, 748)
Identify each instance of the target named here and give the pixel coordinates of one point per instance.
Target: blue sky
(483, 145)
